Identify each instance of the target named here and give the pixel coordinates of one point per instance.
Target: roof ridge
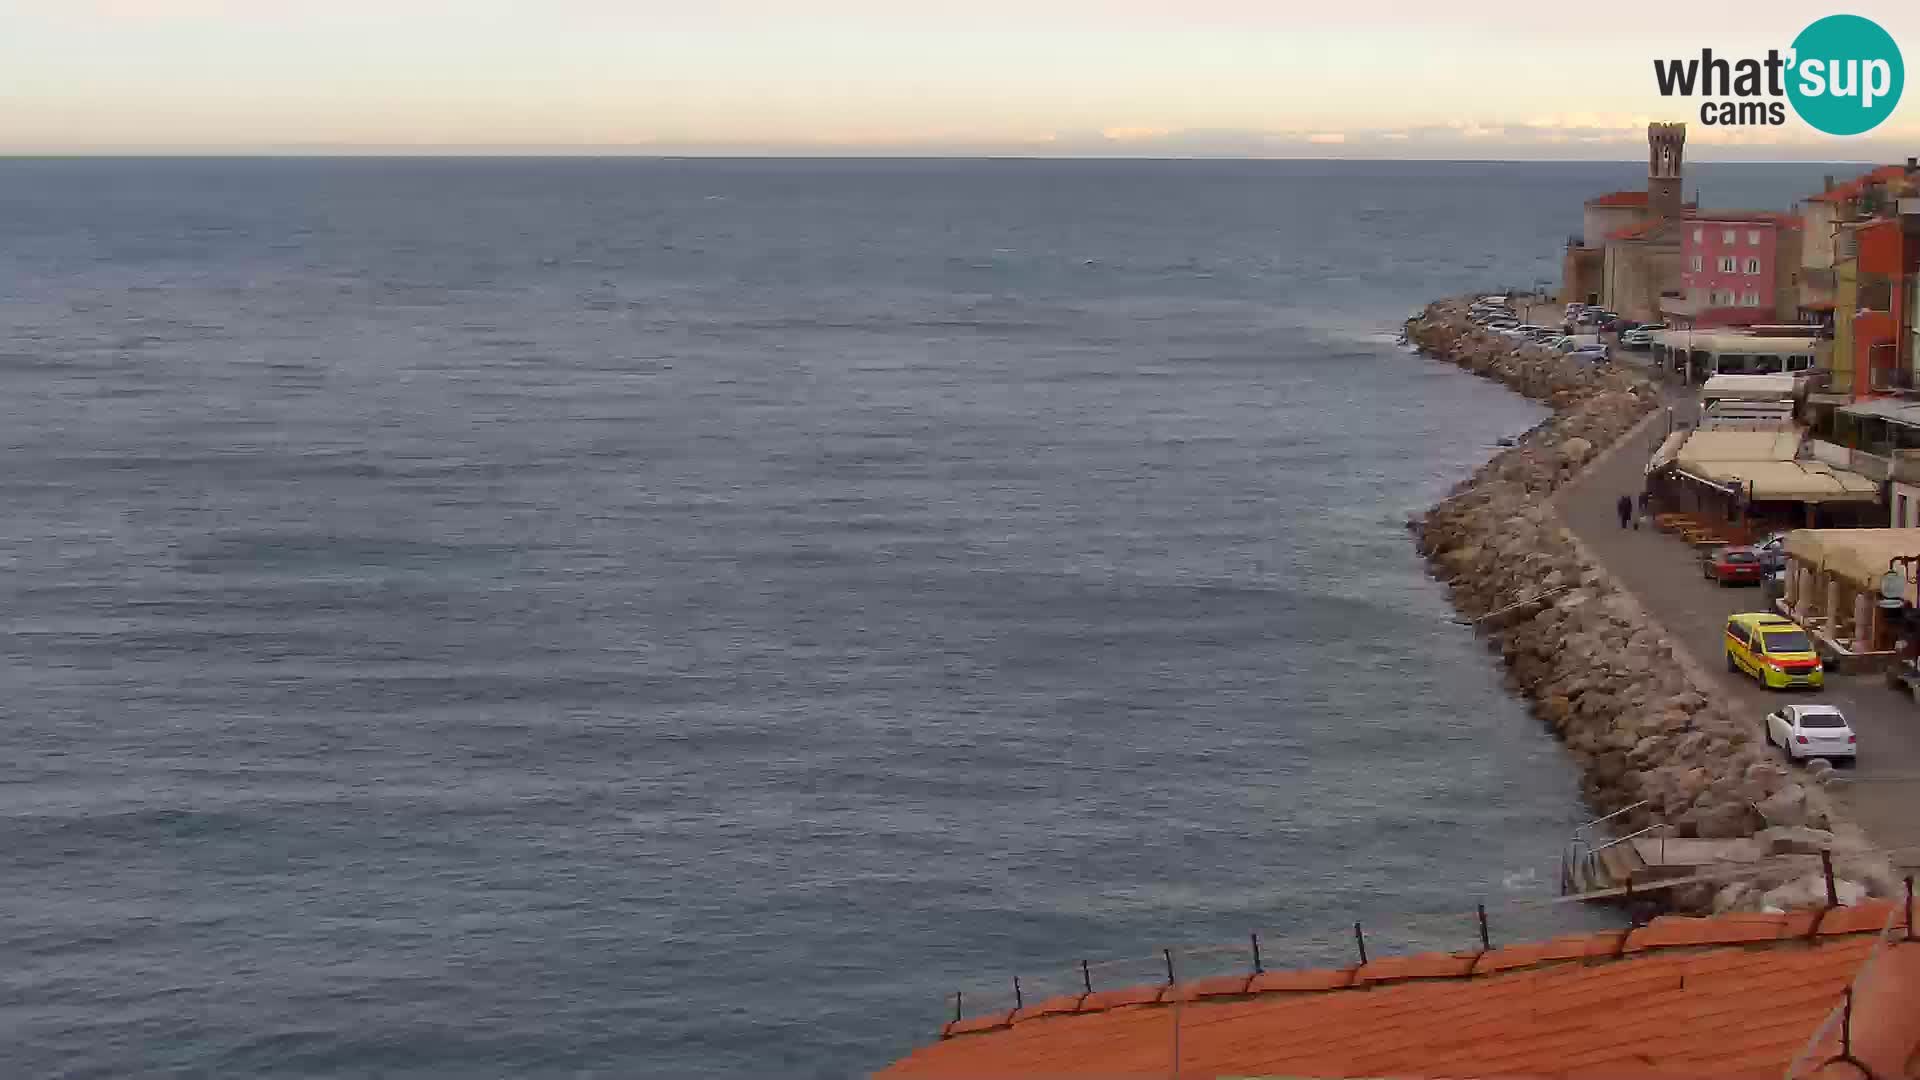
(1668, 933)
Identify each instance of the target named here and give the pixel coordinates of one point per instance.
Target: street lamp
(1902, 570)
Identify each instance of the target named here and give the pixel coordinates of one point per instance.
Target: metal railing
(1350, 943)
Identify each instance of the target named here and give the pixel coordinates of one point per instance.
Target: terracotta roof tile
(1298, 981)
(1216, 986)
(1053, 1006)
(1729, 996)
(1423, 966)
(1677, 930)
(1620, 198)
(1871, 915)
(1859, 184)
(1102, 1000)
(972, 1024)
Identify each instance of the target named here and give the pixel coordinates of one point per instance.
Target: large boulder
(1795, 840)
(1811, 891)
(1787, 806)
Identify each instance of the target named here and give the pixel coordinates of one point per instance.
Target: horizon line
(474, 153)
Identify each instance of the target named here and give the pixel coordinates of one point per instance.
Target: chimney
(1829, 186)
(1913, 165)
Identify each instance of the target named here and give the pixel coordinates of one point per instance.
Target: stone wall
(1636, 715)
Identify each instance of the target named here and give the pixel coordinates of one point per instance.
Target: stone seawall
(1594, 667)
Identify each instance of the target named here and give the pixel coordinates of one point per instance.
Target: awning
(1703, 480)
(1857, 556)
(1791, 481)
(1711, 446)
(1892, 410)
(1664, 456)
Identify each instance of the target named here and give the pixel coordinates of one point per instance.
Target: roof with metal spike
(1729, 996)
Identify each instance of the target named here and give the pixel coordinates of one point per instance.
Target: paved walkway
(1659, 569)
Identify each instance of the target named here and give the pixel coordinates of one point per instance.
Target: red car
(1730, 565)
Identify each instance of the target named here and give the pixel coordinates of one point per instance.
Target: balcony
(1892, 380)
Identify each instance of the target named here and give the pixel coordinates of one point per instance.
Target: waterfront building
(1628, 253)
(1737, 268)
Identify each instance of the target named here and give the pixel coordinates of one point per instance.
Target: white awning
(1664, 456)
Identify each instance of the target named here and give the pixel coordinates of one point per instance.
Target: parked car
(1638, 338)
(1595, 353)
(1617, 325)
(1810, 731)
(1734, 565)
(1775, 651)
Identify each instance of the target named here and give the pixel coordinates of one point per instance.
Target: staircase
(1610, 868)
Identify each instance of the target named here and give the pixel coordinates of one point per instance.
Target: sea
(646, 617)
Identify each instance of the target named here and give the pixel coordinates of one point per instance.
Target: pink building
(1739, 267)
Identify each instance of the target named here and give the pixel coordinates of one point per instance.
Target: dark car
(1616, 325)
(1734, 565)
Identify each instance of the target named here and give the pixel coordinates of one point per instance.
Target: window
(1729, 265)
(1788, 641)
(1728, 236)
(1900, 522)
(1822, 720)
(1753, 237)
(1749, 299)
(1753, 266)
(1695, 264)
(1699, 235)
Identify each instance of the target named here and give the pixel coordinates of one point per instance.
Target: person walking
(1645, 510)
(1625, 507)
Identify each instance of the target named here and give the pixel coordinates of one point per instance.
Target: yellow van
(1775, 651)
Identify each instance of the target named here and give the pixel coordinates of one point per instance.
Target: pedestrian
(1625, 507)
(1646, 505)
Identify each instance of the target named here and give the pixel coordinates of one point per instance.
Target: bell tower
(1666, 154)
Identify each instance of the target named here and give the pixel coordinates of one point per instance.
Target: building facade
(1739, 269)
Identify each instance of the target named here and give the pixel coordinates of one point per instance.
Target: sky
(1492, 79)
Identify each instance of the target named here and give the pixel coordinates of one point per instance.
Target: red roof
(1619, 198)
(1730, 996)
(1854, 187)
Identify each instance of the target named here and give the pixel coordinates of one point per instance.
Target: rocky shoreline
(1592, 665)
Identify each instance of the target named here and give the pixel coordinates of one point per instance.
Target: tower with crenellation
(1666, 154)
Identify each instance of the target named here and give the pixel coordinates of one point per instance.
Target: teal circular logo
(1846, 76)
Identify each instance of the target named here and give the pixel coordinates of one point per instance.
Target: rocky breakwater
(1643, 725)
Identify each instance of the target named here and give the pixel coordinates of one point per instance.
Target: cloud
(1328, 138)
(1133, 134)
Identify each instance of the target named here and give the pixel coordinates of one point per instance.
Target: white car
(1810, 731)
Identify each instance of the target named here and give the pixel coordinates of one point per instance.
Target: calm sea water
(555, 618)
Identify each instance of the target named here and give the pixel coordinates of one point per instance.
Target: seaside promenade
(1883, 790)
